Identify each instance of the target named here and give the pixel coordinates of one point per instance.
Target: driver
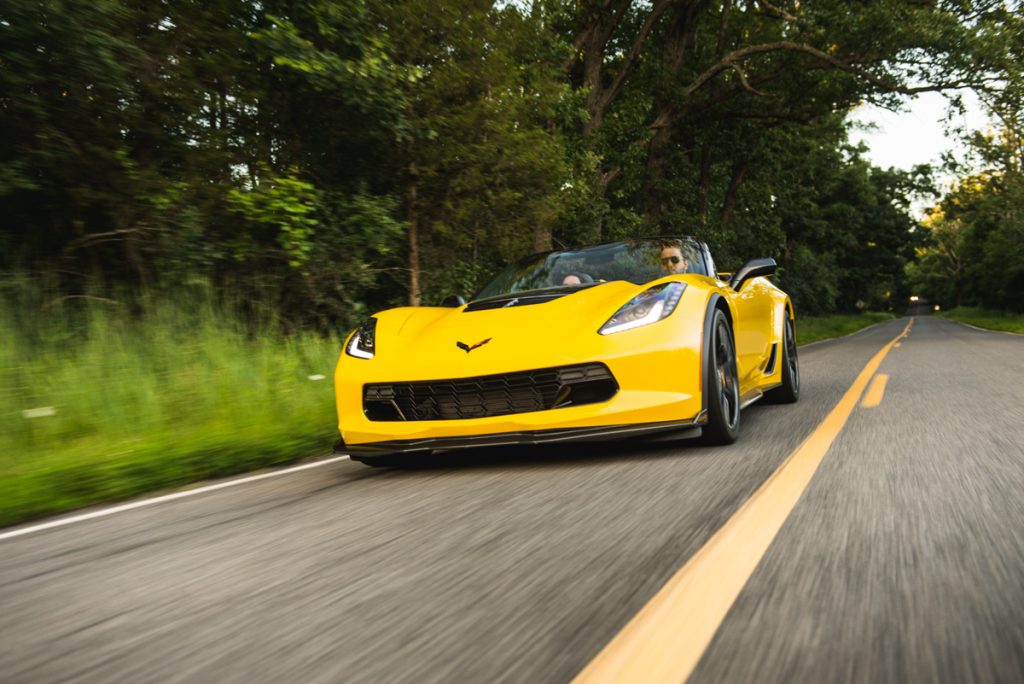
(672, 260)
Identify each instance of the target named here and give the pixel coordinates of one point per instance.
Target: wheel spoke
(794, 366)
(727, 380)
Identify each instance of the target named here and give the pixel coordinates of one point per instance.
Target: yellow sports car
(640, 338)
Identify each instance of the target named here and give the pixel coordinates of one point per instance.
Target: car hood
(423, 342)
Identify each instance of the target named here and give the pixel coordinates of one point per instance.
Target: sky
(916, 135)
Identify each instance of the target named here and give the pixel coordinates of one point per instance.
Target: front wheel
(721, 384)
(789, 391)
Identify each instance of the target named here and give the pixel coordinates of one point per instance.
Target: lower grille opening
(489, 395)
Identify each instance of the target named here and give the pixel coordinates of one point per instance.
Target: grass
(813, 328)
(98, 403)
(987, 318)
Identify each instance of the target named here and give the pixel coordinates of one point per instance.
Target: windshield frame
(538, 272)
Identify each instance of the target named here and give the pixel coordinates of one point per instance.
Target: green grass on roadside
(987, 318)
(99, 404)
(813, 328)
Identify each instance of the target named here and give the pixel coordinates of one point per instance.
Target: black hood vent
(535, 297)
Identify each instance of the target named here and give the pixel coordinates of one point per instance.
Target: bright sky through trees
(918, 135)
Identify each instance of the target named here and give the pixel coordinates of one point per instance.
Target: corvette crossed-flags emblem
(468, 348)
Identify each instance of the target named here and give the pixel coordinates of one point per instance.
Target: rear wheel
(789, 391)
(721, 384)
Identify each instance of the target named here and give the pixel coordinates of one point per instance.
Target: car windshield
(638, 261)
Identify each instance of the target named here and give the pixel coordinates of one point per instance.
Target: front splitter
(683, 430)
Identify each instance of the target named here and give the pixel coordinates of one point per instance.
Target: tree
(68, 175)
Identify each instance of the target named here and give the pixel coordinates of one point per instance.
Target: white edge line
(104, 512)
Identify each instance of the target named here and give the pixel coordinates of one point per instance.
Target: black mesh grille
(489, 395)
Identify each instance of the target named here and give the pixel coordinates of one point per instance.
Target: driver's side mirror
(453, 301)
(752, 269)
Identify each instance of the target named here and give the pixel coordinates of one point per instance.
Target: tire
(721, 383)
(789, 391)
(391, 460)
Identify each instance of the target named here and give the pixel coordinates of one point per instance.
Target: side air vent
(770, 368)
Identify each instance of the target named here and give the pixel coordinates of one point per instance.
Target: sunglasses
(671, 260)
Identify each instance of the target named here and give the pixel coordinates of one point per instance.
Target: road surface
(903, 560)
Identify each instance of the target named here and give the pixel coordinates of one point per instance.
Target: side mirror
(752, 269)
(453, 301)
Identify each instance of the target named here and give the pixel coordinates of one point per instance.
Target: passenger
(577, 279)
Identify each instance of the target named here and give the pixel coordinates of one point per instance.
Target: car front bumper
(657, 392)
(674, 430)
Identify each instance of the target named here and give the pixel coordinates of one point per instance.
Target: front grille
(489, 395)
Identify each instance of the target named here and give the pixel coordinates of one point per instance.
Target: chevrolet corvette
(633, 339)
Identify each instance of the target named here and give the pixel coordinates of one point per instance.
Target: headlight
(647, 307)
(364, 341)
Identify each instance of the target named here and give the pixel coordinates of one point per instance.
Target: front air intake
(489, 395)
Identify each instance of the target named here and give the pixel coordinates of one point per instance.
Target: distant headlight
(647, 307)
(364, 342)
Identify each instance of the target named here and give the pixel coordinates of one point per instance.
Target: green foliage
(289, 205)
(99, 403)
(973, 253)
(346, 57)
(974, 250)
(988, 318)
(274, 144)
(817, 328)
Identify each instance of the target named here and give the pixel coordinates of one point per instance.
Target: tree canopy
(345, 155)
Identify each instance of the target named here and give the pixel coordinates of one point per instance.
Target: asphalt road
(903, 560)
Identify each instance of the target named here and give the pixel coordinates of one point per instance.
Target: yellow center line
(873, 397)
(666, 639)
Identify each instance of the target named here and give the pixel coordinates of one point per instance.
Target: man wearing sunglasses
(672, 260)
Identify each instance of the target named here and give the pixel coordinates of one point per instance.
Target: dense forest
(339, 156)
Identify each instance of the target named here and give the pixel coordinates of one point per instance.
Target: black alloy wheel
(722, 384)
(789, 391)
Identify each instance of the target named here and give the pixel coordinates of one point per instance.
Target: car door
(752, 325)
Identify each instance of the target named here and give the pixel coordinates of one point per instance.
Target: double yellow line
(666, 639)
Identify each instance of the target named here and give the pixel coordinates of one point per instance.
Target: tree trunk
(654, 196)
(705, 185)
(412, 217)
(739, 170)
(593, 59)
(592, 42)
(682, 30)
(541, 238)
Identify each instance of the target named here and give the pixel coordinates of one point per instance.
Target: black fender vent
(772, 357)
